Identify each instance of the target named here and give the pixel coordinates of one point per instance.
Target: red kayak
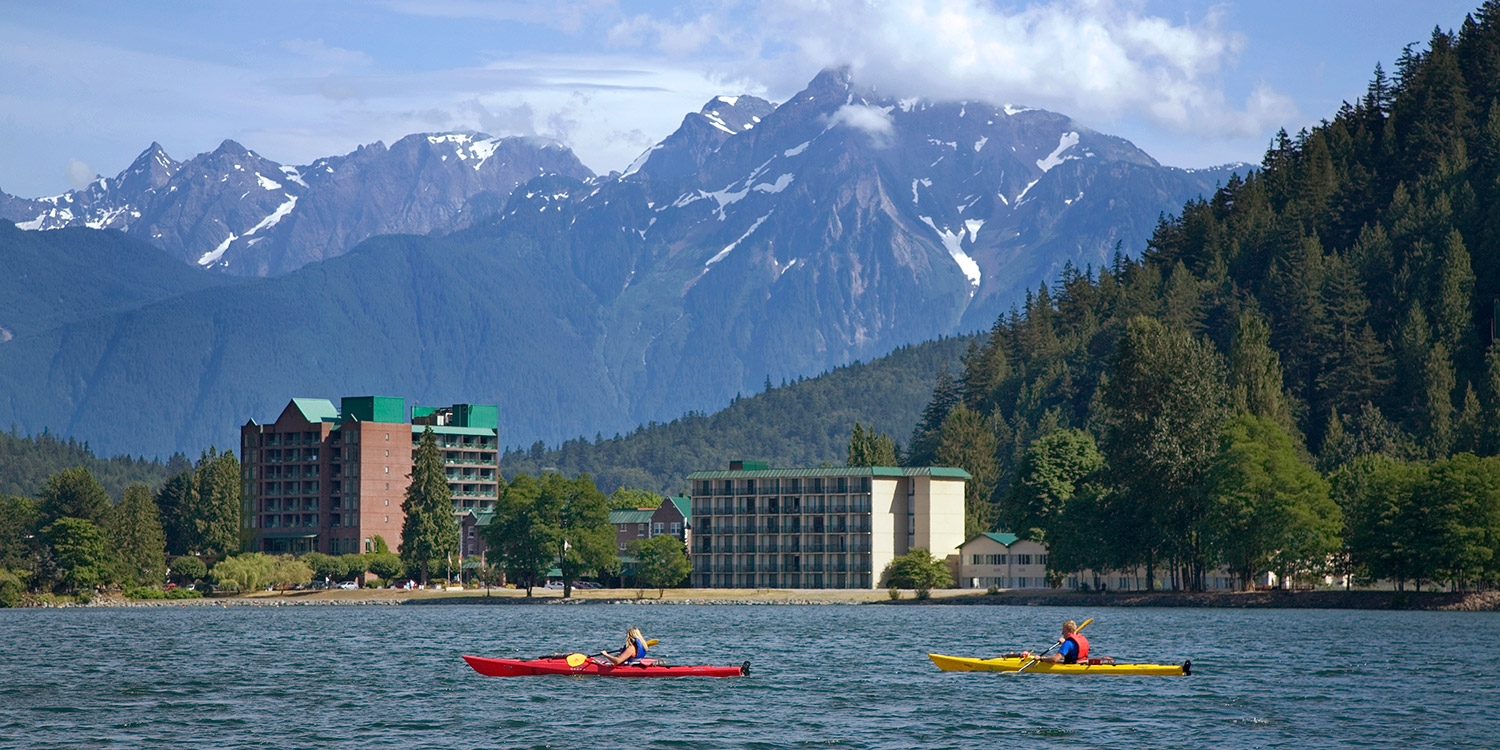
(558, 664)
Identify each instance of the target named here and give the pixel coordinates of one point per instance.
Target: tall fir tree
(175, 501)
(429, 533)
(74, 493)
(1255, 381)
(136, 537)
(1438, 422)
(924, 439)
(215, 509)
(967, 441)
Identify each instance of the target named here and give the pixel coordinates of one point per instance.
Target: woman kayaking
(633, 652)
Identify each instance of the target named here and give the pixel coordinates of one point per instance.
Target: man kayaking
(633, 652)
(1073, 649)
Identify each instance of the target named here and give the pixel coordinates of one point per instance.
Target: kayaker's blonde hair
(1070, 627)
(635, 632)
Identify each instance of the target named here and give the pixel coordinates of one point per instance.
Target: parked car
(349, 585)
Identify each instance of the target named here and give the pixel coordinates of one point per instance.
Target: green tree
(1051, 471)
(588, 538)
(1439, 401)
(175, 501)
(210, 508)
(870, 448)
(188, 569)
(387, 566)
(288, 571)
(74, 493)
(137, 539)
(967, 441)
(323, 566)
(662, 562)
(523, 535)
(82, 552)
(1163, 406)
(626, 498)
(19, 522)
(12, 588)
(1375, 492)
(919, 570)
(927, 435)
(1255, 382)
(251, 571)
(1267, 509)
(429, 534)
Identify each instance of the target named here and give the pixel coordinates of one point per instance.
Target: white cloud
(874, 121)
(80, 174)
(1093, 59)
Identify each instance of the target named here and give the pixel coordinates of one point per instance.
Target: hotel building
(757, 527)
(330, 479)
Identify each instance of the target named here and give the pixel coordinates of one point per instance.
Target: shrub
(184, 594)
(11, 589)
(188, 569)
(919, 570)
(145, 592)
(992, 590)
(894, 593)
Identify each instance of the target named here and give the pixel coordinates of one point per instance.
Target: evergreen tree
(967, 441)
(175, 502)
(1453, 318)
(1355, 368)
(1468, 430)
(1491, 444)
(137, 539)
(82, 552)
(74, 493)
(1049, 474)
(924, 440)
(1255, 382)
(1438, 423)
(215, 510)
(429, 534)
(19, 523)
(870, 448)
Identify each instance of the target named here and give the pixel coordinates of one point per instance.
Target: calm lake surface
(821, 676)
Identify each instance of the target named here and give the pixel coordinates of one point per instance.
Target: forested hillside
(27, 462)
(806, 423)
(1337, 303)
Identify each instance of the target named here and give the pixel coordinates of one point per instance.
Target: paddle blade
(651, 642)
(576, 660)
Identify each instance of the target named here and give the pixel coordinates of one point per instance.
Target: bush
(919, 570)
(894, 593)
(145, 592)
(188, 569)
(992, 590)
(11, 589)
(184, 594)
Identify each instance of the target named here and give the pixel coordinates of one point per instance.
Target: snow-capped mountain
(234, 210)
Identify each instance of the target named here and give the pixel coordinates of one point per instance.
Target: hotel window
(1023, 560)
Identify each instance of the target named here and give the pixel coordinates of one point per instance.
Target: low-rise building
(833, 528)
(1003, 560)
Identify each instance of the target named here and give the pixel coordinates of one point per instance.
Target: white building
(835, 528)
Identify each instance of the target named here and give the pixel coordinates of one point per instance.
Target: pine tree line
(1342, 296)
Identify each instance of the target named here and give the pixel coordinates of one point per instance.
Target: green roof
(684, 506)
(857, 471)
(385, 409)
(316, 410)
(1005, 538)
(630, 516)
(417, 429)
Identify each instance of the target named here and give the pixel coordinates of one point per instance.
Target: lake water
(821, 677)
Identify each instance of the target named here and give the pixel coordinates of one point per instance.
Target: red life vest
(1083, 648)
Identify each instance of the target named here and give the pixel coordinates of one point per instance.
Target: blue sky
(85, 86)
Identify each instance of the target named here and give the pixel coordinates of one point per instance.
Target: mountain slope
(54, 278)
(233, 210)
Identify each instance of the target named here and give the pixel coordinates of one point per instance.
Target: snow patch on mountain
(731, 246)
(979, 144)
(953, 241)
(775, 187)
(218, 252)
(294, 175)
(1067, 141)
(799, 148)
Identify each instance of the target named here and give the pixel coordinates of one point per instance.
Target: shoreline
(1488, 601)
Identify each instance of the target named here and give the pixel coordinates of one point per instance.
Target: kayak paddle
(1038, 657)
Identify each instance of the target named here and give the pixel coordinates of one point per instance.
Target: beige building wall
(887, 522)
(940, 525)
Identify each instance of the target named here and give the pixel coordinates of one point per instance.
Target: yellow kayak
(1010, 663)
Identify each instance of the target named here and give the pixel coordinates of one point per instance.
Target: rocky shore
(1488, 601)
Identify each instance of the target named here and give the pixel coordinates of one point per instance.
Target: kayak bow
(1013, 664)
(559, 665)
